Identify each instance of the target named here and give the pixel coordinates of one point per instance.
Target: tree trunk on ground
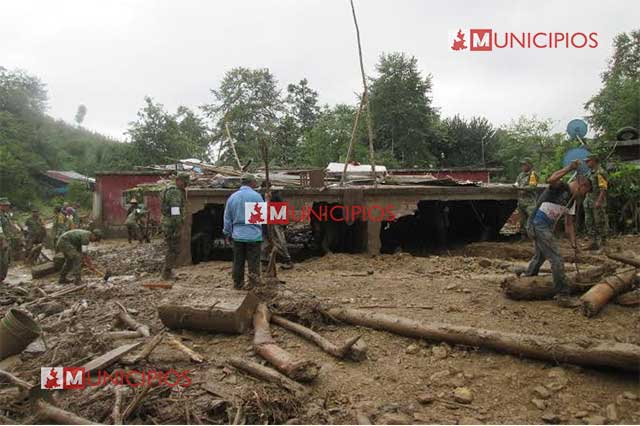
(307, 333)
(541, 287)
(268, 374)
(624, 259)
(600, 294)
(283, 361)
(594, 353)
(51, 413)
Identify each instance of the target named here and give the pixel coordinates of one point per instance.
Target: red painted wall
(110, 189)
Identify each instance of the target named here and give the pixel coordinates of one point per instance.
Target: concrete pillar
(373, 242)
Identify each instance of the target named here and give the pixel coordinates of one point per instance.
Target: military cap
(593, 157)
(4, 201)
(185, 177)
(248, 177)
(526, 160)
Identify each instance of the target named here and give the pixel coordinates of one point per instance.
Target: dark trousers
(546, 247)
(249, 252)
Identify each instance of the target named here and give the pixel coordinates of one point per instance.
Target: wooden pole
(351, 142)
(624, 356)
(624, 259)
(268, 374)
(233, 146)
(365, 98)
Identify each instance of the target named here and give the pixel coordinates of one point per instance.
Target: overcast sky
(109, 54)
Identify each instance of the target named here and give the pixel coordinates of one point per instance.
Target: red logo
(459, 42)
(52, 378)
(261, 213)
(256, 216)
(481, 40)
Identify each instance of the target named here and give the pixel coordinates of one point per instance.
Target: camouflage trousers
(172, 237)
(596, 222)
(5, 259)
(133, 232)
(525, 209)
(72, 261)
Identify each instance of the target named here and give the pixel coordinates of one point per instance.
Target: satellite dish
(577, 154)
(577, 129)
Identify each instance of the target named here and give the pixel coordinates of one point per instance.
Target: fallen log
(128, 320)
(53, 414)
(194, 356)
(268, 374)
(594, 353)
(600, 294)
(624, 259)
(324, 344)
(541, 287)
(301, 370)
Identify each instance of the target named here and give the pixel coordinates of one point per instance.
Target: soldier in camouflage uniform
(36, 235)
(595, 204)
(60, 225)
(528, 180)
(6, 232)
(134, 218)
(72, 244)
(173, 213)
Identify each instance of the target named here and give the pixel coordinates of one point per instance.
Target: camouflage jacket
(35, 227)
(173, 205)
(6, 229)
(530, 181)
(76, 237)
(599, 182)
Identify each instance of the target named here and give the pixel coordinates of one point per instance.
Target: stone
(612, 413)
(539, 403)
(394, 419)
(463, 395)
(439, 375)
(451, 287)
(439, 352)
(542, 392)
(389, 407)
(581, 414)
(468, 421)
(630, 395)
(412, 349)
(595, 420)
(426, 398)
(551, 418)
(484, 262)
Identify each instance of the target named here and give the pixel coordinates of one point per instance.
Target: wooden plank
(110, 357)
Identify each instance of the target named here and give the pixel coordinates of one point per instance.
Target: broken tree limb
(541, 287)
(16, 380)
(56, 295)
(624, 259)
(128, 320)
(268, 374)
(125, 334)
(194, 356)
(116, 413)
(53, 414)
(600, 294)
(307, 333)
(623, 356)
(137, 401)
(148, 348)
(301, 370)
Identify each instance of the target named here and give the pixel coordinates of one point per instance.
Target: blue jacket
(234, 225)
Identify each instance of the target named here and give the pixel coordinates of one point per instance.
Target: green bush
(624, 198)
(80, 192)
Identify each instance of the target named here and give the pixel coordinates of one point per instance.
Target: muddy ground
(403, 380)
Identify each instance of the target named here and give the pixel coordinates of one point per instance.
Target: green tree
(249, 102)
(405, 123)
(160, 137)
(617, 104)
(466, 143)
(80, 114)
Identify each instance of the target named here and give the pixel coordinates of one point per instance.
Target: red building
(110, 202)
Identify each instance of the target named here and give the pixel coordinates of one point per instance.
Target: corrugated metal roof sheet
(68, 176)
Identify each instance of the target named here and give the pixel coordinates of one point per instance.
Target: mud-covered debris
(463, 395)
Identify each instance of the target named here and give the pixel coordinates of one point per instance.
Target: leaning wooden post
(365, 98)
(351, 142)
(233, 145)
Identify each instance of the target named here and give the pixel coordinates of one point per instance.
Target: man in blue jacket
(247, 237)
